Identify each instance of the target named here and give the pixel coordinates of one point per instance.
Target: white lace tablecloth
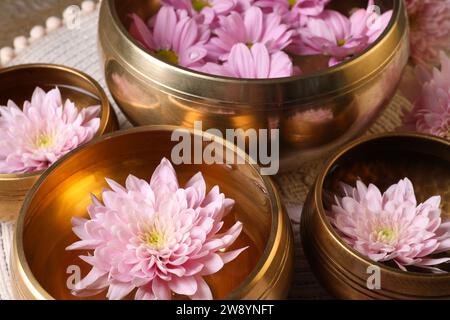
(78, 49)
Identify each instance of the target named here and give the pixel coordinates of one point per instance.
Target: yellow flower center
(44, 141)
(386, 234)
(167, 56)
(249, 45)
(199, 5)
(341, 42)
(155, 239)
(292, 3)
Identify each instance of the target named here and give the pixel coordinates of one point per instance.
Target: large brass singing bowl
(315, 113)
(17, 84)
(382, 160)
(43, 231)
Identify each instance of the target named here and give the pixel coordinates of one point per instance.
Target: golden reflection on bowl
(17, 84)
(40, 261)
(355, 91)
(382, 160)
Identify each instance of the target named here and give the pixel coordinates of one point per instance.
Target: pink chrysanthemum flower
(252, 27)
(244, 5)
(294, 12)
(430, 31)
(42, 132)
(335, 35)
(331, 34)
(431, 112)
(252, 63)
(391, 226)
(413, 6)
(176, 38)
(208, 9)
(155, 238)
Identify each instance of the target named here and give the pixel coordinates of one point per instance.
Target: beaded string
(21, 43)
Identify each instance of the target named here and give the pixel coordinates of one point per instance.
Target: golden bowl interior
(383, 161)
(18, 84)
(44, 227)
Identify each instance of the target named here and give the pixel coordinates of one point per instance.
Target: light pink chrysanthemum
(176, 38)
(244, 5)
(252, 27)
(331, 34)
(294, 12)
(252, 63)
(155, 237)
(431, 112)
(391, 226)
(35, 137)
(335, 35)
(413, 6)
(208, 9)
(430, 31)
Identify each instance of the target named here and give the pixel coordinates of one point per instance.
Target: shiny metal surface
(382, 160)
(316, 113)
(39, 259)
(18, 83)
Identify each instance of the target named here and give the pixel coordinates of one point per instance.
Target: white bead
(36, 33)
(88, 6)
(53, 23)
(70, 13)
(6, 55)
(20, 43)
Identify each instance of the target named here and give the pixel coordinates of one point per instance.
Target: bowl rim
(397, 6)
(277, 212)
(318, 198)
(106, 110)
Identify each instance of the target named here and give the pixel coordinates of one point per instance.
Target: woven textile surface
(78, 49)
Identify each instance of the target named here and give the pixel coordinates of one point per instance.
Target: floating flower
(335, 35)
(46, 129)
(429, 29)
(253, 63)
(208, 9)
(200, 34)
(370, 22)
(155, 237)
(294, 12)
(252, 27)
(391, 226)
(176, 38)
(431, 112)
(331, 34)
(257, 63)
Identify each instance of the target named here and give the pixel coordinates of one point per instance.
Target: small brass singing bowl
(40, 263)
(351, 95)
(382, 160)
(17, 84)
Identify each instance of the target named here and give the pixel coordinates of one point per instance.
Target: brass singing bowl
(43, 231)
(382, 160)
(17, 84)
(150, 91)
